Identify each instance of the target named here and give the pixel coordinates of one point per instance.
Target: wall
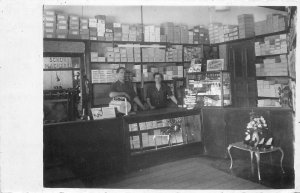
(190, 15)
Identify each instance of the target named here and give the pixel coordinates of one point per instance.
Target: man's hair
(157, 73)
(120, 68)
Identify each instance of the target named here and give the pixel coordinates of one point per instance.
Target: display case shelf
(212, 88)
(147, 130)
(262, 97)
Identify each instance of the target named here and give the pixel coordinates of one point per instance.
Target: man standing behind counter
(157, 95)
(125, 89)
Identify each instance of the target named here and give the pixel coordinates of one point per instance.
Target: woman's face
(157, 79)
(121, 75)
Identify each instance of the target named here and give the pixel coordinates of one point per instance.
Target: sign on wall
(61, 62)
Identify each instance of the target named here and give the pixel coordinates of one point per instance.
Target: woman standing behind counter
(158, 94)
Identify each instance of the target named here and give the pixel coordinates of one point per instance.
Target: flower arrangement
(257, 134)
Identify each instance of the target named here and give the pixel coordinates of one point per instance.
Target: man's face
(121, 75)
(157, 78)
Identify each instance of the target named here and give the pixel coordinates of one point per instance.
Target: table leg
(282, 155)
(258, 162)
(228, 149)
(252, 168)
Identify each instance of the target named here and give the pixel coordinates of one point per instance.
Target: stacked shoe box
(192, 52)
(109, 54)
(174, 53)
(62, 25)
(261, 27)
(117, 28)
(123, 54)
(137, 53)
(149, 33)
(168, 30)
(177, 34)
(246, 25)
(214, 32)
(268, 88)
(184, 34)
(101, 19)
(201, 35)
(157, 34)
(93, 28)
(117, 54)
(132, 33)
(125, 32)
(84, 29)
(49, 20)
(109, 35)
(139, 32)
(271, 45)
(74, 27)
(231, 32)
(191, 36)
(130, 55)
(273, 66)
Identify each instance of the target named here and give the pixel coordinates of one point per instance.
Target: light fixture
(222, 8)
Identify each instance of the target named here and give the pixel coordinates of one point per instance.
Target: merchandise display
(246, 25)
(276, 44)
(273, 66)
(208, 89)
(273, 23)
(169, 71)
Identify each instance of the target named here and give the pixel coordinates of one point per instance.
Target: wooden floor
(191, 173)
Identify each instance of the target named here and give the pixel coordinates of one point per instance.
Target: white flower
(265, 125)
(259, 125)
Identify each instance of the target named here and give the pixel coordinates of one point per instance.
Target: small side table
(257, 152)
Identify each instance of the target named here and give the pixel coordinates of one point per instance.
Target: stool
(257, 152)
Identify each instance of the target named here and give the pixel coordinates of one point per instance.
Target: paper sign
(103, 113)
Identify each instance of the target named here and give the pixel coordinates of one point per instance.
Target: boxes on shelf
(192, 52)
(174, 53)
(268, 103)
(276, 44)
(49, 24)
(200, 35)
(213, 30)
(273, 66)
(270, 87)
(135, 142)
(133, 127)
(191, 36)
(246, 25)
(167, 29)
(184, 34)
(103, 76)
(273, 23)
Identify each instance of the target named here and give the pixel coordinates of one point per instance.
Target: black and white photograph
(139, 96)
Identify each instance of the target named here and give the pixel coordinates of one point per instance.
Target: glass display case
(208, 89)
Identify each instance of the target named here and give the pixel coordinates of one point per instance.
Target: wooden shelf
(66, 40)
(261, 97)
(61, 69)
(207, 72)
(262, 77)
(147, 130)
(115, 62)
(270, 55)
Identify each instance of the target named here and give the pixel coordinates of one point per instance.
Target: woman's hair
(157, 73)
(120, 68)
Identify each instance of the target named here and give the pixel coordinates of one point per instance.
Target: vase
(254, 139)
